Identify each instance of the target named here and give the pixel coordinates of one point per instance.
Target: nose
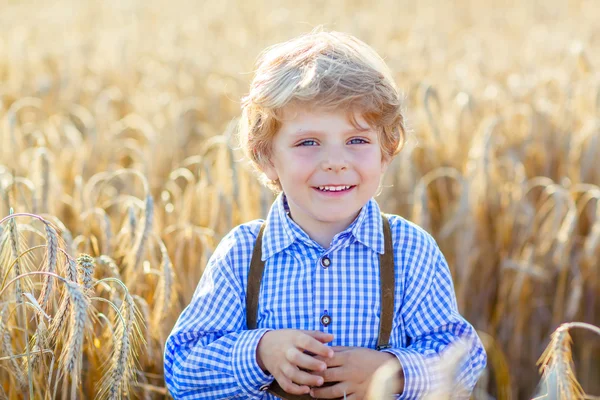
(334, 163)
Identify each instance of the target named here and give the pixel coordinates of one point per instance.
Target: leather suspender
(387, 287)
(257, 267)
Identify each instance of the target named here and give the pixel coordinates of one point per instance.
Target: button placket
(323, 282)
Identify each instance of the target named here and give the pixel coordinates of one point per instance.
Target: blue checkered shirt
(210, 354)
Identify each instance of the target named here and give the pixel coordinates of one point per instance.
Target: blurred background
(116, 123)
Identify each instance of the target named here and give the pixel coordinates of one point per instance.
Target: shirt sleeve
(210, 354)
(431, 321)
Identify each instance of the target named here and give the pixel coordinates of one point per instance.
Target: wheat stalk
(70, 359)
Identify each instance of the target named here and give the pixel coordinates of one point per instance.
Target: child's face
(316, 150)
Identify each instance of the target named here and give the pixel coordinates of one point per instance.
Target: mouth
(334, 188)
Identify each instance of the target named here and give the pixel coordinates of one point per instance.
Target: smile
(334, 188)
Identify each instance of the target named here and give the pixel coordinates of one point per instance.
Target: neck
(324, 232)
(321, 232)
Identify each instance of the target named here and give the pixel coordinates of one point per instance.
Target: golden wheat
(116, 127)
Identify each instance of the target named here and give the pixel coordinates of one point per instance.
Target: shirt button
(264, 388)
(325, 262)
(325, 319)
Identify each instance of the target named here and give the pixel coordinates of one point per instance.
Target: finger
(334, 361)
(340, 349)
(301, 360)
(334, 374)
(331, 392)
(305, 361)
(299, 377)
(320, 336)
(290, 387)
(307, 342)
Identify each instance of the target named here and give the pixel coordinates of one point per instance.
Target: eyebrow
(318, 132)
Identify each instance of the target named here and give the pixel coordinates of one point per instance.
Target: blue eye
(308, 143)
(360, 141)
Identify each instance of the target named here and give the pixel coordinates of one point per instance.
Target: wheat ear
(40, 342)
(85, 272)
(7, 350)
(107, 261)
(58, 321)
(144, 308)
(70, 359)
(132, 221)
(165, 292)
(556, 366)
(51, 257)
(71, 270)
(14, 244)
(118, 377)
(143, 237)
(44, 181)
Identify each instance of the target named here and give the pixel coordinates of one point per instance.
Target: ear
(268, 168)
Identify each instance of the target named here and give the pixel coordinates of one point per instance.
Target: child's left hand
(352, 368)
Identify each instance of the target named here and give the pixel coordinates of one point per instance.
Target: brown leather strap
(255, 274)
(257, 267)
(387, 287)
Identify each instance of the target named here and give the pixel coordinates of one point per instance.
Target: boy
(321, 123)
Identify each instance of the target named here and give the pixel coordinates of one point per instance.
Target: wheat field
(119, 175)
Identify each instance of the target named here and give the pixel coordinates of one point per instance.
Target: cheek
(303, 156)
(372, 168)
(369, 160)
(299, 163)
(293, 172)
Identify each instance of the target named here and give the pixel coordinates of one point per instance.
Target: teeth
(333, 188)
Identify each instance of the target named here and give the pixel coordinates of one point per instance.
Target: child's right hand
(282, 353)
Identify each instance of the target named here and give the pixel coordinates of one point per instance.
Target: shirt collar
(367, 228)
(278, 234)
(281, 231)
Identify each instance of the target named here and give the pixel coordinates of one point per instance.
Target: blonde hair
(329, 70)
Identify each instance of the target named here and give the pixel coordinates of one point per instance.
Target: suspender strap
(257, 267)
(387, 287)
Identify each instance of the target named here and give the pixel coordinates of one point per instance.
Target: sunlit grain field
(119, 175)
